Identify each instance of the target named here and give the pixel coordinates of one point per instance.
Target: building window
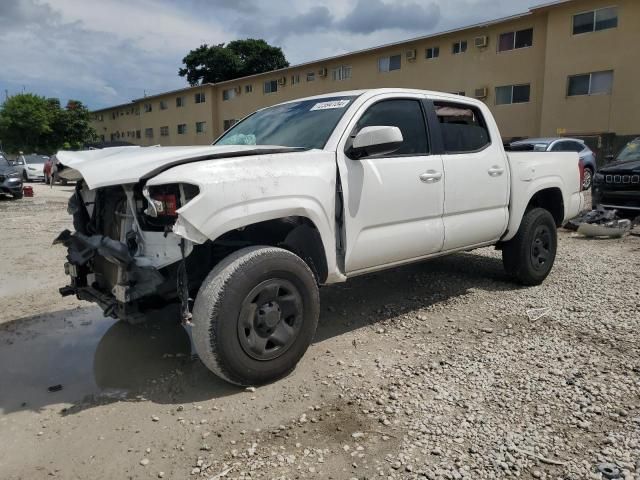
(311, 76)
(596, 83)
(227, 124)
(509, 94)
(182, 128)
(148, 132)
(228, 94)
(433, 52)
(138, 133)
(387, 64)
(200, 98)
(270, 86)
(201, 127)
(163, 105)
(148, 108)
(341, 73)
(295, 79)
(179, 102)
(248, 88)
(514, 40)
(164, 131)
(459, 47)
(595, 20)
(461, 93)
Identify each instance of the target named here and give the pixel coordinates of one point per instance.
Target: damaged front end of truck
(133, 251)
(123, 254)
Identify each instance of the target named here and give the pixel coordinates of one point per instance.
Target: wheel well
(550, 199)
(297, 234)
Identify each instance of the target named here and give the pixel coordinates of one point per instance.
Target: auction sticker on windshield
(330, 105)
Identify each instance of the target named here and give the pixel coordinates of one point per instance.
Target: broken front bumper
(132, 282)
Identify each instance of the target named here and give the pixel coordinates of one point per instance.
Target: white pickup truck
(302, 194)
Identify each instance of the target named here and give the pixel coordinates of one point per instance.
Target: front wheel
(255, 315)
(529, 256)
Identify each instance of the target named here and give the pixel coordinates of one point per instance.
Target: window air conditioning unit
(282, 81)
(322, 72)
(481, 92)
(411, 55)
(482, 42)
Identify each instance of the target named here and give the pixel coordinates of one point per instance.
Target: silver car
(563, 144)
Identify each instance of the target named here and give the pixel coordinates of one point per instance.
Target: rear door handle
(431, 176)
(495, 171)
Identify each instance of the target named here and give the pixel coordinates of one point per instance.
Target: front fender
(235, 193)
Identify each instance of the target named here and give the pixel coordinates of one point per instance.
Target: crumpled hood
(126, 165)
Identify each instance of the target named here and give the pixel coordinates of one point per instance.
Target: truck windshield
(304, 124)
(630, 152)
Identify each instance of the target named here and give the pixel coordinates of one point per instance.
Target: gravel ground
(442, 370)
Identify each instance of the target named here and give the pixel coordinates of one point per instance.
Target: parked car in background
(617, 186)
(561, 144)
(50, 171)
(10, 179)
(31, 166)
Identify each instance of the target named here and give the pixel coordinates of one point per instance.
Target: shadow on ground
(98, 360)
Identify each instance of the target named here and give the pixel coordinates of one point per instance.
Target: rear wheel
(529, 256)
(18, 195)
(255, 315)
(588, 179)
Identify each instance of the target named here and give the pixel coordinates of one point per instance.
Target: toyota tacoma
(298, 195)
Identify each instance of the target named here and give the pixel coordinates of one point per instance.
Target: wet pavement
(89, 356)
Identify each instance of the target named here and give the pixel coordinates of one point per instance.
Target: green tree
(218, 63)
(25, 122)
(32, 123)
(75, 128)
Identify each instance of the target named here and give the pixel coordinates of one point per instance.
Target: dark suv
(10, 179)
(618, 184)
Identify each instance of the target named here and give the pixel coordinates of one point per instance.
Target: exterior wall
(613, 49)
(477, 68)
(190, 113)
(556, 53)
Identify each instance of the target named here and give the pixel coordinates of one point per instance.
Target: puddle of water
(85, 353)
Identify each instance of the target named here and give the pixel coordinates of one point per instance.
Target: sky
(107, 52)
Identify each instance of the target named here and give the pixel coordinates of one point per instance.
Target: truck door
(393, 203)
(476, 174)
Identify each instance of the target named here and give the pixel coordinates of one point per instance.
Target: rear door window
(464, 129)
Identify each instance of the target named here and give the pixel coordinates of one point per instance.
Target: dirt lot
(429, 371)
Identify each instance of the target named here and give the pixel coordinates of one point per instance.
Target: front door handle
(431, 176)
(495, 171)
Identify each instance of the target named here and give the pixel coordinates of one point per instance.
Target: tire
(18, 196)
(529, 256)
(255, 315)
(25, 177)
(588, 178)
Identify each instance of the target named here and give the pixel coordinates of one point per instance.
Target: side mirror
(375, 141)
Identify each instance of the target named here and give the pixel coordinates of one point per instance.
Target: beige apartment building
(567, 68)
